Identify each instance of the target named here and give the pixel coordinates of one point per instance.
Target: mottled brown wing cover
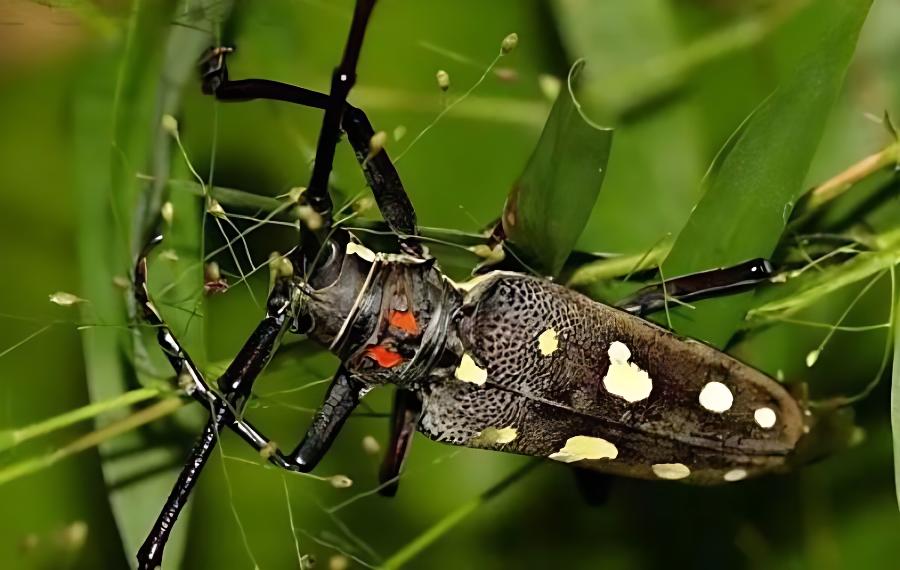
(549, 398)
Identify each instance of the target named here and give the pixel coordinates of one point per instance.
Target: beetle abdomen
(548, 372)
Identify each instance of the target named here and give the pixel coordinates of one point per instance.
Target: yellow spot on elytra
(469, 371)
(670, 471)
(625, 379)
(765, 417)
(585, 447)
(548, 342)
(716, 397)
(735, 475)
(495, 436)
(360, 250)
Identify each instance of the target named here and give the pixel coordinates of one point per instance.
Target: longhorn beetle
(506, 361)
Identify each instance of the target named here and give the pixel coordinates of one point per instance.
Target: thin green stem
(13, 437)
(453, 518)
(92, 439)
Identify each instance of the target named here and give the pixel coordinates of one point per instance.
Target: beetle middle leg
(702, 285)
(236, 382)
(404, 420)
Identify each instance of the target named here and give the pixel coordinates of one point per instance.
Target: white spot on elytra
(765, 417)
(548, 342)
(360, 250)
(469, 371)
(716, 397)
(625, 379)
(735, 475)
(585, 447)
(670, 470)
(496, 436)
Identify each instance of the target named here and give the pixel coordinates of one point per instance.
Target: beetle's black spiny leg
(342, 397)
(702, 285)
(404, 419)
(225, 412)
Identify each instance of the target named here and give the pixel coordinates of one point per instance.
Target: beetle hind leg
(696, 286)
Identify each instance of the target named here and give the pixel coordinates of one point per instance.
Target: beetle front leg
(380, 172)
(404, 420)
(702, 285)
(224, 413)
(341, 399)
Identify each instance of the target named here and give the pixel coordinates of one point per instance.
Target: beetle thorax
(385, 315)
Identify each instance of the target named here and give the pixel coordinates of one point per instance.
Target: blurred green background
(80, 96)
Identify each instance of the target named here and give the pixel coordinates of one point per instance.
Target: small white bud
(399, 132)
(170, 124)
(167, 211)
(550, 86)
(340, 481)
(507, 74)
(364, 204)
(443, 80)
(64, 299)
(268, 450)
(74, 536)
(376, 144)
(169, 255)
(211, 272)
(121, 282)
(370, 445)
(284, 267)
(338, 562)
(310, 217)
(812, 357)
(489, 254)
(509, 43)
(215, 209)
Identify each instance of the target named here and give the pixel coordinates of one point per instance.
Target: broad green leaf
(749, 198)
(550, 203)
(110, 236)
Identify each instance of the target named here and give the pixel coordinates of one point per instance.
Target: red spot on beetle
(384, 357)
(404, 320)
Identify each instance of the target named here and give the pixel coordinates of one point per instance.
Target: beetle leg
(382, 176)
(236, 383)
(341, 399)
(404, 420)
(711, 283)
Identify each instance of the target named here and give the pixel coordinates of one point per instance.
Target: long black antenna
(342, 80)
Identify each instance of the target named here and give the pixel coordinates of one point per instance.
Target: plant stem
(13, 437)
(840, 183)
(453, 518)
(603, 269)
(135, 420)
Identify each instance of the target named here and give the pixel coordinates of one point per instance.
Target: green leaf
(749, 198)
(549, 205)
(110, 235)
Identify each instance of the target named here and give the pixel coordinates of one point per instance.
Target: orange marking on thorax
(403, 320)
(384, 357)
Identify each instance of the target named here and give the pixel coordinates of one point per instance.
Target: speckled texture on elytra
(550, 398)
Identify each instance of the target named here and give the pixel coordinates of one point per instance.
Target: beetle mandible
(506, 361)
